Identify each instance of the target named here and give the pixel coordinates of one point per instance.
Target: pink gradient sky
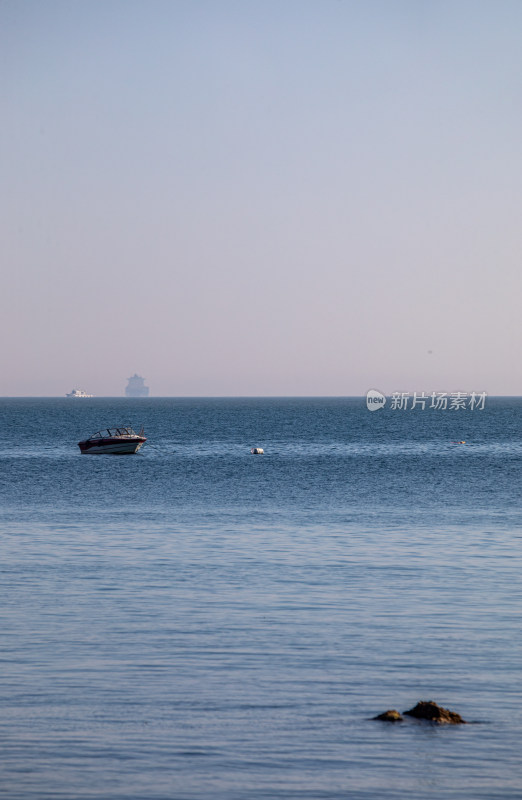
(261, 198)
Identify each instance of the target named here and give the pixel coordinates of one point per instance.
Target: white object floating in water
(257, 451)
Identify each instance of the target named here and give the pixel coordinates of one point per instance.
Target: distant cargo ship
(136, 387)
(78, 393)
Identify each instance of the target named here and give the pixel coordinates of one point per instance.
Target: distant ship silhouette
(136, 387)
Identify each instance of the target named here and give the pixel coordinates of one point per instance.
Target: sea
(194, 622)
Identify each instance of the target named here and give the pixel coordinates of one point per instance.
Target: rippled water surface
(197, 622)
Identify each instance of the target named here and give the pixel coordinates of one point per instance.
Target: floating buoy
(257, 451)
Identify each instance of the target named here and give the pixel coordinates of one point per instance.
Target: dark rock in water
(390, 716)
(434, 713)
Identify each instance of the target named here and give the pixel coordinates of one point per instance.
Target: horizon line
(220, 396)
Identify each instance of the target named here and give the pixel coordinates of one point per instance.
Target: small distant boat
(78, 393)
(257, 451)
(114, 441)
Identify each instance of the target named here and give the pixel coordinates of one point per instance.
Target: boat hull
(113, 447)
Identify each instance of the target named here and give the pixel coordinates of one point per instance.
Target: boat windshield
(110, 433)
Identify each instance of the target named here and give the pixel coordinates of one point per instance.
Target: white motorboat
(114, 441)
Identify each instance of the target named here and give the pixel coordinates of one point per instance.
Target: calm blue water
(197, 622)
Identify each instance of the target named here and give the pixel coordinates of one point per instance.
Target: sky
(260, 197)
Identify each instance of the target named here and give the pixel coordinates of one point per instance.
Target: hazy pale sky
(248, 197)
